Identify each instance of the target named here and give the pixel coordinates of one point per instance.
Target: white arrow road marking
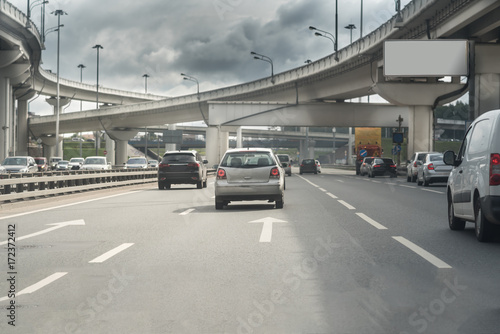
(57, 226)
(111, 253)
(423, 253)
(38, 286)
(267, 227)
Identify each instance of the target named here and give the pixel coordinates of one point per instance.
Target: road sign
(105, 152)
(363, 153)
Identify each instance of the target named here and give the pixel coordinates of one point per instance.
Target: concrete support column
(171, 146)
(22, 127)
(485, 92)
(420, 129)
(62, 102)
(239, 137)
(110, 149)
(121, 152)
(487, 95)
(217, 143)
(5, 112)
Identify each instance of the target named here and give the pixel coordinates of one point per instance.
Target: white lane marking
(433, 191)
(267, 227)
(50, 229)
(324, 190)
(423, 253)
(347, 205)
(404, 185)
(340, 181)
(66, 205)
(188, 211)
(371, 221)
(332, 195)
(39, 285)
(111, 253)
(376, 181)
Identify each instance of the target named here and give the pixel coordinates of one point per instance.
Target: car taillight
(163, 165)
(430, 166)
(193, 164)
(376, 166)
(221, 174)
(275, 173)
(393, 166)
(495, 169)
(415, 164)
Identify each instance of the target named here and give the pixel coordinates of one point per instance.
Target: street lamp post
(259, 56)
(329, 36)
(146, 76)
(97, 144)
(193, 79)
(350, 27)
(81, 67)
(58, 13)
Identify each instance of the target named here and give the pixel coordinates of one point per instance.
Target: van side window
(480, 137)
(461, 153)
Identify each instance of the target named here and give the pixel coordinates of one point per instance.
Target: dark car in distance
(308, 166)
(381, 167)
(182, 167)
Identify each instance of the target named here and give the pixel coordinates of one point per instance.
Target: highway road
(347, 254)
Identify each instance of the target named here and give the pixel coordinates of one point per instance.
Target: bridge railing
(30, 185)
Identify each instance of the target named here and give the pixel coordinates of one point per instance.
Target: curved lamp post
(146, 76)
(97, 141)
(326, 34)
(193, 79)
(258, 56)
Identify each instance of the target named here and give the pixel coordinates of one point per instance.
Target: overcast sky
(210, 39)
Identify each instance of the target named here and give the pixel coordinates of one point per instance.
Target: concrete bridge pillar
(5, 113)
(420, 129)
(485, 91)
(217, 143)
(117, 145)
(62, 102)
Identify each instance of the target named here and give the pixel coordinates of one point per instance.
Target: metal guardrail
(30, 185)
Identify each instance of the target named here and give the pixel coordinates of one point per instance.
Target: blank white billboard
(435, 58)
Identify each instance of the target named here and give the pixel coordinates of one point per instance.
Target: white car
(473, 188)
(134, 163)
(76, 163)
(95, 163)
(318, 166)
(247, 175)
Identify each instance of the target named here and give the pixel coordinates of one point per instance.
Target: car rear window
(283, 158)
(247, 160)
(178, 158)
(136, 161)
(436, 157)
(95, 161)
(308, 162)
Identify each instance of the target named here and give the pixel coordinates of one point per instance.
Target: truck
(368, 143)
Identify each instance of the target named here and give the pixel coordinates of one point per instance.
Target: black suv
(182, 167)
(308, 166)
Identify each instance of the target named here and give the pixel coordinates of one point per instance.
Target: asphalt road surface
(346, 254)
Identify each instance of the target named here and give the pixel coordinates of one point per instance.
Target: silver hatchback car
(432, 169)
(247, 175)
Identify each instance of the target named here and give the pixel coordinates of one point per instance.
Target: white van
(474, 184)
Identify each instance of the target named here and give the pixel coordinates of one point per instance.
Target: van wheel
(455, 223)
(199, 184)
(408, 178)
(426, 183)
(419, 183)
(483, 226)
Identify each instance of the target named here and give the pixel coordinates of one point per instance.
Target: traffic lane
(185, 278)
(443, 244)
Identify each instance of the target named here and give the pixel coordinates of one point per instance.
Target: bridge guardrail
(20, 186)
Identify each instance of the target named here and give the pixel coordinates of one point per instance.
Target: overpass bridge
(311, 95)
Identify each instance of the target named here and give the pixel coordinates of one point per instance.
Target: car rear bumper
(491, 208)
(179, 178)
(248, 192)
